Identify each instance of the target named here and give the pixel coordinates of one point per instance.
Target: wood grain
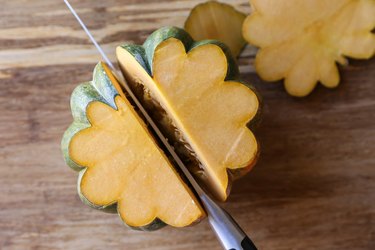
(313, 188)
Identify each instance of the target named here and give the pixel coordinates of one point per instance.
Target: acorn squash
(121, 167)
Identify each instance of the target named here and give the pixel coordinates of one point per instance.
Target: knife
(228, 232)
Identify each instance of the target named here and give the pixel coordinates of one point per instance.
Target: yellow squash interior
(219, 21)
(301, 40)
(125, 165)
(210, 113)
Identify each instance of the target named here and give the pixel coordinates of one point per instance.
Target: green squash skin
(144, 56)
(99, 89)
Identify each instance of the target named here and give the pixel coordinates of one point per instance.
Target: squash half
(302, 40)
(121, 167)
(190, 90)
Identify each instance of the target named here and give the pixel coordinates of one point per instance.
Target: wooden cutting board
(313, 188)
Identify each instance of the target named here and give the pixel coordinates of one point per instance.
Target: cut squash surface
(301, 40)
(122, 163)
(219, 21)
(209, 113)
